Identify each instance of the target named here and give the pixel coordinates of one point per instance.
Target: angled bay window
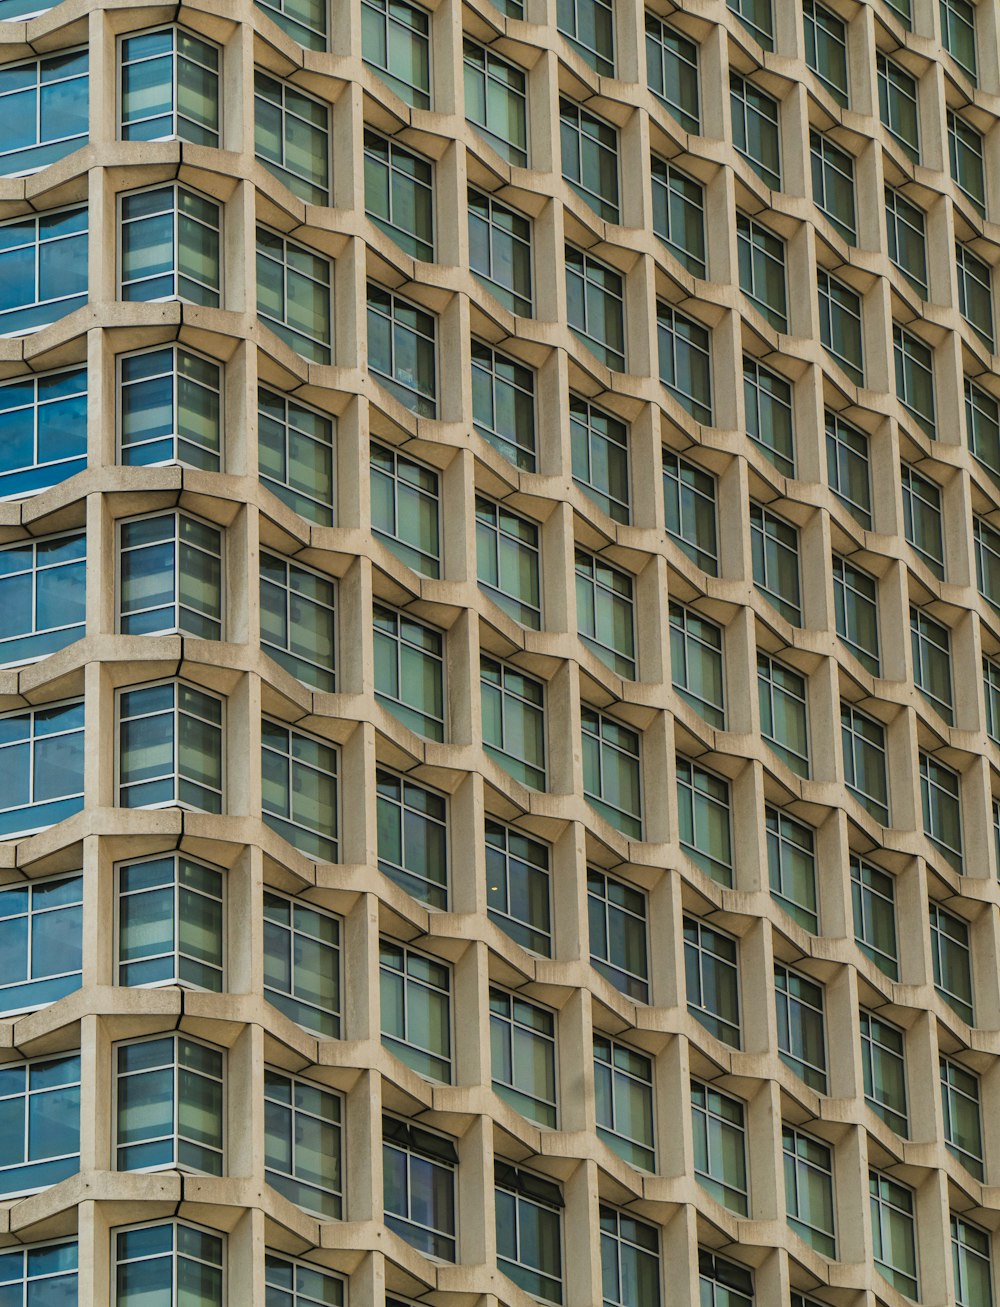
(41, 943)
(757, 17)
(399, 194)
(43, 269)
(41, 1272)
(697, 667)
(171, 408)
(684, 354)
(503, 404)
(617, 916)
(41, 767)
(289, 1282)
(840, 325)
(690, 506)
(416, 1009)
(507, 561)
(679, 214)
(39, 1123)
(518, 887)
(923, 525)
(784, 717)
(826, 48)
(775, 548)
(529, 1231)
(967, 160)
(302, 963)
(865, 760)
(941, 804)
(589, 27)
(756, 130)
(44, 106)
(951, 955)
(292, 137)
(897, 105)
(809, 1201)
(402, 350)
(894, 1232)
(761, 257)
(496, 101)
(848, 467)
(799, 1003)
(630, 1260)
(299, 789)
(975, 293)
(500, 251)
(914, 363)
(873, 902)
(396, 43)
(722, 1283)
(855, 597)
(986, 543)
(405, 509)
(171, 246)
(720, 1146)
(600, 456)
(169, 1106)
(907, 239)
(43, 431)
(590, 158)
(961, 1109)
(171, 911)
(605, 612)
(883, 1065)
(595, 306)
(958, 35)
(712, 980)
(296, 456)
(419, 1173)
(169, 87)
(303, 1142)
(413, 837)
(623, 1087)
(155, 1261)
(972, 1263)
(767, 403)
(704, 820)
(930, 643)
(791, 867)
(170, 570)
(170, 747)
(833, 184)
(298, 620)
(523, 1055)
(513, 720)
(42, 596)
(305, 21)
(409, 671)
(672, 71)
(295, 295)
(612, 782)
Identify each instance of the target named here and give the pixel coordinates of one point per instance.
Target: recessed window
(958, 36)
(711, 968)
(865, 760)
(529, 1231)
(894, 1232)
(296, 455)
(809, 1202)
(169, 1106)
(523, 1055)
(961, 1108)
(897, 105)
(405, 509)
(295, 1283)
(305, 21)
(986, 544)
(930, 643)
(630, 1260)
(396, 43)
(833, 184)
(419, 1171)
(757, 17)
(907, 239)
(43, 269)
(767, 403)
(883, 1065)
(507, 561)
(589, 27)
(826, 48)
(873, 900)
(855, 597)
(43, 593)
(972, 1263)
(409, 671)
(496, 102)
(727, 1284)
(756, 130)
(975, 293)
(791, 867)
(169, 87)
(518, 887)
(611, 771)
(966, 160)
(303, 1142)
(302, 963)
(718, 1123)
(413, 837)
(775, 547)
(697, 666)
(704, 820)
(922, 518)
(42, 1272)
(292, 137)
(672, 71)
(299, 789)
(298, 620)
(595, 306)
(295, 295)
(416, 1009)
(503, 404)
(679, 214)
(840, 325)
(41, 942)
(991, 694)
(513, 717)
(500, 251)
(684, 355)
(784, 718)
(171, 915)
(605, 612)
(170, 570)
(941, 803)
(801, 1025)
(951, 955)
(590, 159)
(170, 748)
(617, 916)
(600, 456)
(45, 108)
(761, 257)
(399, 194)
(848, 468)
(623, 1087)
(171, 246)
(690, 507)
(171, 406)
(40, 1105)
(41, 767)
(914, 362)
(43, 431)
(402, 350)
(151, 1260)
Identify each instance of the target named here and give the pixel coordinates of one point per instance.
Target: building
(499, 653)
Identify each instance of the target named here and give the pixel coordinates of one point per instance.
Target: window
(762, 270)
(171, 913)
(513, 715)
(894, 1232)
(975, 293)
(296, 456)
(720, 1146)
(605, 613)
(40, 1116)
(801, 1034)
(941, 802)
(299, 789)
(767, 402)
(991, 694)
(291, 1283)
(848, 468)
(961, 1108)
(679, 214)
(833, 183)
(41, 767)
(40, 1273)
(292, 137)
(302, 963)
(922, 521)
(43, 431)
(697, 665)
(757, 17)
(840, 325)
(630, 1260)
(590, 158)
(775, 545)
(672, 71)
(409, 671)
(809, 1202)
(791, 867)
(399, 194)
(41, 943)
(903, 9)
(44, 103)
(170, 409)
(42, 596)
(170, 748)
(873, 900)
(972, 1264)
(855, 596)
(169, 1106)
(907, 240)
(170, 570)
(43, 269)
(595, 306)
(589, 27)
(402, 350)
(986, 542)
(966, 159)
(784, 721)
(507, 557)
(722, 1283)
(171, 246)
(623, 1084)
(416, 1009)
(151, 1260)
(684, 353)
(500, 251)
(413, 837)
(865, 760)
(295, 294)
(711, 969)
(297, 620)
(931, 646)
(611, 771)
(303, 1143)
(689, 501)
(523, 1055)
(405, 509)
(915, 377)
(503, 404)
(982, 427)
(884, 1069)
(826, 48)
(169, 87)
(951, 955)
(518, 887)
(529, 1231)
(756, 131)
(396, 43)
(619, 949)
(418, 1187)
(897, 103)
(958, 36)
(704, 821)
(600, 456)
(496, 102)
